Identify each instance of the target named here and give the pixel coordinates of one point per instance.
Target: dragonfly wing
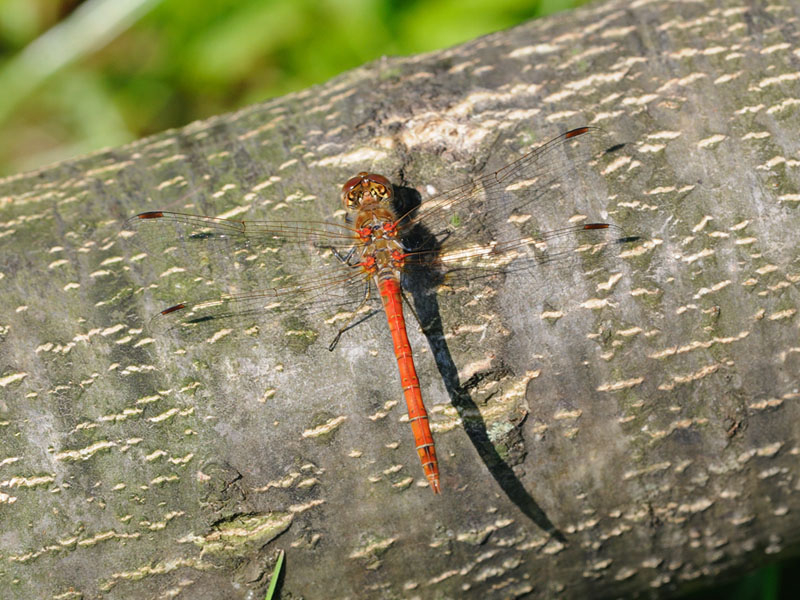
(205, 228)
(197, 242)
(331, 297)
(584, 247)
(301, 264)
(533, 184)
(494, 224)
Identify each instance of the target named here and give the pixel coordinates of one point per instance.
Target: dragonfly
(482, 229)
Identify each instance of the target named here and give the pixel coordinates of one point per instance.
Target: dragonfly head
(366, 189)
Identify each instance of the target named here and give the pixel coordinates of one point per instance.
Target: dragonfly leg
(410, 306)
(349, 323)
(346, 258)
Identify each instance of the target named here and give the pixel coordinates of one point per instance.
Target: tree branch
(625, 430)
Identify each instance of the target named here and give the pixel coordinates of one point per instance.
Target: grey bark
(630, 431)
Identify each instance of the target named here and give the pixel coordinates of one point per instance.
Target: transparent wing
(335, 298)
(584, 247)
(514, 191)
(493, 225)
(292, 268)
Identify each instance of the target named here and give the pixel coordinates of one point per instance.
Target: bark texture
(625, 431)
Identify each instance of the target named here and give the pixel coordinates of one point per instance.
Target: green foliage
(276, 574)
(764, 584)
(185, 60)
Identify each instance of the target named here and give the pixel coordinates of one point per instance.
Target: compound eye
(349, 191)
(352, 183)
(379, 179)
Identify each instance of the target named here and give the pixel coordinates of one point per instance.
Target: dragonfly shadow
(421, 284)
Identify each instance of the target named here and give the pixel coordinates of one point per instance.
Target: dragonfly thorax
(382, 252)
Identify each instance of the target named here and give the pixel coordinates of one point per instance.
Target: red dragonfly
(479, 229)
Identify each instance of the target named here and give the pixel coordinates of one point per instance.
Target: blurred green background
(76, 76)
